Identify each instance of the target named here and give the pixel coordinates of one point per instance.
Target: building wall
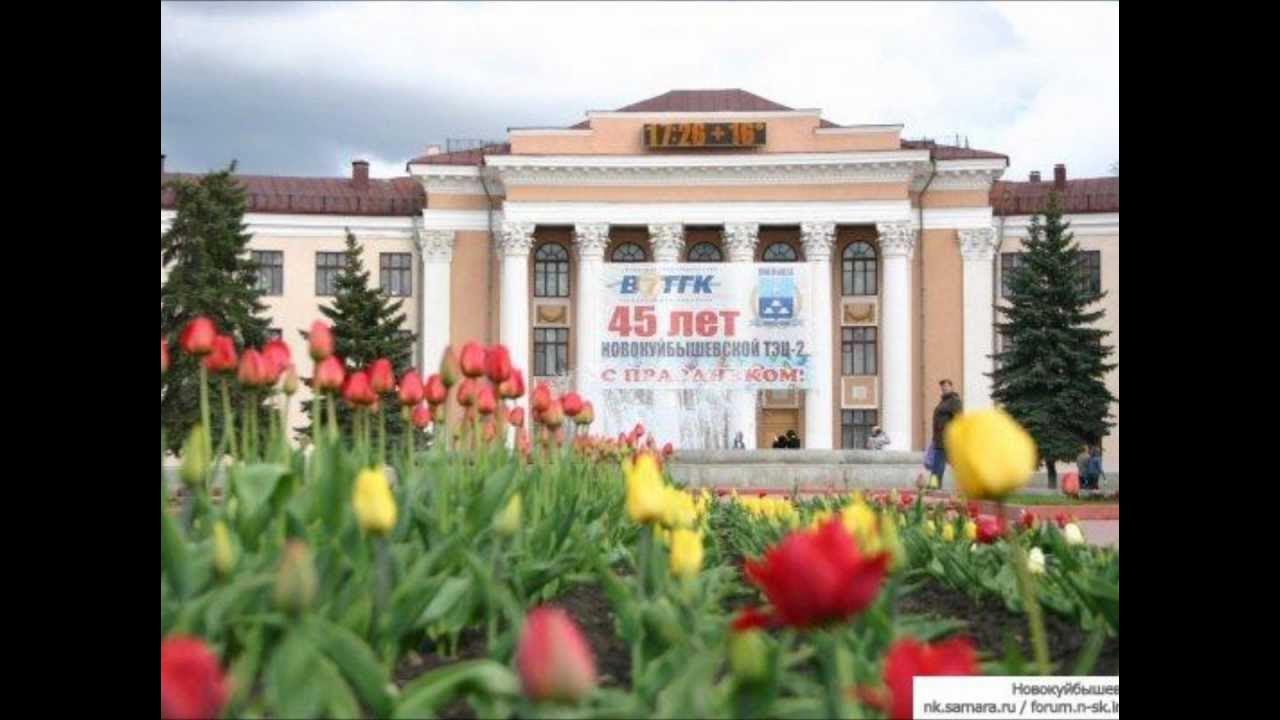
(942, 329)
(708, 193)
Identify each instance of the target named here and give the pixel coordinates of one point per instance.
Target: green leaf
(302, 682)
(445, 599)
(173, 556)
(421, 697)
(355, 660)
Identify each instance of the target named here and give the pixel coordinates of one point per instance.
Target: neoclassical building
(906, 242)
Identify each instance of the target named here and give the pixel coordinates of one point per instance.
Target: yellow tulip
(508, 521)
(990, 452)
(678, 510)
(296, 580)
(889, 532)
(949, 532)
(224, 555)
(860, 520)
(929, 529)
(375, 507)
(970, 530)
(645, 496)
(686, 553)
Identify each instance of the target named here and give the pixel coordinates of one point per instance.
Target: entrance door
(775, 422)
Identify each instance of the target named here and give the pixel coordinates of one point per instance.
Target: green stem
(228, 420)
(829, 657)
(1026, 586)
(204, 410)
(407, 417)
(382, 436)
(333, 417)
(644, 550)
(382, 587)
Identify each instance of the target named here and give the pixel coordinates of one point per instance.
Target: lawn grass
(1033, 499)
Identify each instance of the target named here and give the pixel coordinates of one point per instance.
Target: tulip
(472, 359)
(1027, 519)
(290, 380)
(908, 659)
(989, 529)
(435, 391)
(553, 416)
(949, 532)
(382, 378)
(748, 655)
(571, 402)
(467, 393)
(512, 387)
(891, 542)
(486, 403)
(192, 684)
(411, 390)
(554, 660)
(296, 580)
(375, 507)
(195, 458)
(222, 359)
(816, 577)
(516, 416)
(164, 355)
(253, 369)
(320, 341)
(522, 442)
(440, 414)
(197, 337)
(278, 358)
(224, 557)
(970, 530)
(1062, 519)
(929, 528)
(357, 392)
(449, 370)
(1072, 534)
(991, 454)
(421, 416)
(586, 415)
(645, 498)
(667, 451)
(540, 400)
(490, 430)
(329, 376)
(497, 364)
(559, 435)
(508, 521)
(686, 553)
(1035, 561)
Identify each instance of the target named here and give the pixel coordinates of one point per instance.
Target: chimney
(1059, 177)
(360, 174)
(1035, 176)
(162, 164)
(433, 149)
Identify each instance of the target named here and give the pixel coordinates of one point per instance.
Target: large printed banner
(699, 325)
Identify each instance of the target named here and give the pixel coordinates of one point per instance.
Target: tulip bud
(970, 530)
(222, 359)
(1035, 561)
(329, 376)
(508, 521)
(450, 373)
(554, 659)
(553, 416)
(467, 393)
(686, 553)
(522, 441)
(421, 416)
(253, 369)
(291, 380)
(497, 364)
(571, 403)
(748, 655)
(197, 337)
(513, 386)
(472, 360)
(891, 542)
(164, 355)
(296, 579)
(992, 454)
(381, 377)
(1072, 534)
(949, 532)
(277, 355)
(357, 391)
(320, 341)
(411, 390)
(1027, 519)
(195, 458)
(929, 528)
(516, 416)
(192, 684)
(435, 391)
(540, 400)
(224, 558)
(486, 403)
(375, 507)
(586, 415)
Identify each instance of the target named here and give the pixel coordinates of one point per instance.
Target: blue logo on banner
(777, 298)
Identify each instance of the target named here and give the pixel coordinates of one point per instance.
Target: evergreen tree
(1050, 372)
(367, 325)
(211, 273)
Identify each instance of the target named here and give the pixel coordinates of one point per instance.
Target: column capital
(435, 245)
(818, 237)
(667, 240)
(897, 239)
(977, 244)
(741, 240)
(591, 239)
(515, 239)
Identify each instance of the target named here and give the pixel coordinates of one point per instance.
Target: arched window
(705, 252)
(627, 253)
(551, 271)
(780, 252)
(858, 269)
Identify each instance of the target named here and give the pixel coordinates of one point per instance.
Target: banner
(700, 325)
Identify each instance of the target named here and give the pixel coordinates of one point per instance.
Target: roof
(1085, 195)
(474, 156)
(317, 196)
(702, 101)
(951, 152)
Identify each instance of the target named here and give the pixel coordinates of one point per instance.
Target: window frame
(546, 269)
(275, 287)
(613, 254)
(385, 272)
(323, 271)
(855, 267)
(854, 345)
(849, 428)
(553, 340)
(704, 244)
(795, 256)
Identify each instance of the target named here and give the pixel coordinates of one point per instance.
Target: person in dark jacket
(946, 411)
(793, 440)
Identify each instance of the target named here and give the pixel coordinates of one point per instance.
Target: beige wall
(446, 201)
(951, 199)
(709, 193)
(942, 326)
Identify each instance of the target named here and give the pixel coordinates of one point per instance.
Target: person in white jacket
(877, 440)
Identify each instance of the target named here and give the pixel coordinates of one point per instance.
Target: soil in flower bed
(990, 621)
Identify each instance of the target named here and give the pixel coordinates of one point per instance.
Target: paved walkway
(1101, 532)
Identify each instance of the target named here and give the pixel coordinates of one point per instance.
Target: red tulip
(1027, 519)
(905, 500)
(421, 416)
(990, 528)
(513, 386)
(486, 403)
(749, 618)
(320, 341)
(254, 370)
(522, 441)
(278, 356)
(553, 417)
(223, 357)
(164, 355)
(192, 685)
(819, 576)
(497, 364)
(472, 360)
(553, 657)
(330, 375)
(909, 659)
(571, 402)
(411, 391)
(449, 370)
(1062, 519)
(541, 399)
(382, 378)
(436, 392)
(516, 416)
(467, 392)
(586, 415)
(357, 391)
(197, 337)
(973, 509)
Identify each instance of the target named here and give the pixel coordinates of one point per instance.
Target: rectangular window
(1091, 266)
(396, 274)
(274, 334)
(550, 351)
(328, 267)
(1009, 262)
(855, 428)
(858, 350)
(270, 271)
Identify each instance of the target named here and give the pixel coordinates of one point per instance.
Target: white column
(667, 241)
(435, 251)
(897, 244)
(978, 248)
(513, 242)
(741, 239)
(591, 240)
(819, 400)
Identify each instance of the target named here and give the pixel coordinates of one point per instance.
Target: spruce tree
(367, 325)
(1050, 373)
(211, 273)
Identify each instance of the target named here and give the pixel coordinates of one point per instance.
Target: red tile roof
(1085, 195)
(318, 196)
(464, 157)
(696, 101)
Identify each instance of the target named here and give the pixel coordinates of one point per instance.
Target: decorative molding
(436, 245)
(955, 218)
(740, 239)
(667, 240)
(897, 239)
(323, 226)
(711, 114)
(848, 212)
(977, 244)
(564, 132)
(591, 239)
(461, 219)
(515, 239)
(1082, 224)
(454, 185)
(973, 174)
(817, 238)
(858, 130)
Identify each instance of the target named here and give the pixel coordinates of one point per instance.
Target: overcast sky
(302, 89)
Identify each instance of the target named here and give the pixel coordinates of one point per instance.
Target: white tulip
(1035, 561)
(1073, 534)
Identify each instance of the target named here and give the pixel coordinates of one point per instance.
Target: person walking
(948, 408)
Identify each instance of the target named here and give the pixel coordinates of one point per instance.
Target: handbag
(930, 456)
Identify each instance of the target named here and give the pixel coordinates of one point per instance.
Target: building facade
(906, 242)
